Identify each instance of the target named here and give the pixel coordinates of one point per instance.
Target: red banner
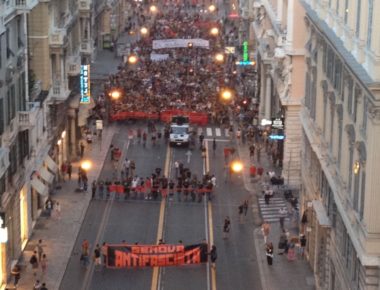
(133, 256)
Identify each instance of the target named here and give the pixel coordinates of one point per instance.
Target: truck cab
(179, 131)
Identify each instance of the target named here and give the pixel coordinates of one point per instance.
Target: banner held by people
(132, 256)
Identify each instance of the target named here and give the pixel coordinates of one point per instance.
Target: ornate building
(280, 65)
(340, 133)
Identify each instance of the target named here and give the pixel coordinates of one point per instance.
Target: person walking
(269, 253)
(69, 169)
(241, 211)
(37, 285)
(103, 251)
(265, 229)
(245, 207)
(57, 210)
(213, 256)
(97, 257)
(16, 273)
(43, 263)
(39, 249)
(81, 149)
(226, 227)
(213, 147)
(43, 287)
(34, 262)
(93, 189)
(283, 212)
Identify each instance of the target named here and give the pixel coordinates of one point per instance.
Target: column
(268, 97)
(290, 25)
(279, 11)
(262, 91)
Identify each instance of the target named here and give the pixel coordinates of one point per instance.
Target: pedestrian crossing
(211, 132)
(270, 212)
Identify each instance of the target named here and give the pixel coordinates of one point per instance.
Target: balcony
(4, 160)
(73, 65)
(58, 38)
(85, 48)
(59, 92)
(84, 6)
(14, 7)
(27, 119)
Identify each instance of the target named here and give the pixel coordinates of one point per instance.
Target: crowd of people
(189, 79)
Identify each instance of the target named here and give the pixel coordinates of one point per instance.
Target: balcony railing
(84, 5)
(4, 160)
(27, 119)
(58, 38)
(85, 47)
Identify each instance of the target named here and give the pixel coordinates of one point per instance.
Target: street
(138, 220)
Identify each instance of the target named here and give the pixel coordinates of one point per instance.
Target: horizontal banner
(179, 42)
(132, 256)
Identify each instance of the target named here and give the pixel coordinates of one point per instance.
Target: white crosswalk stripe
(226, 132)
(218, 132)
(270, 212)
(209, 131)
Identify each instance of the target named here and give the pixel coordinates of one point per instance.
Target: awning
(46, 175)
(320, 211)
(39, 186)
(51, 164)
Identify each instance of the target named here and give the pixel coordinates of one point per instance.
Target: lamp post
(226, 95)
(132, 59)
(214, 31)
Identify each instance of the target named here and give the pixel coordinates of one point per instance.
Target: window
(11, 106)
(330, 64)
(369, 29)
(350, 164)
(7, 43)
(364, 121)
(19, 33)
(362, 195)
(2, 185)
(324, 114)
(358, 7)
(1, 116)
(340, 128)
(355, 201)
(346, 4)
(307, 91)
(21, 104)
(337, 7)
(1, 51)
(338, 75)
(332, 115)
(350, 87)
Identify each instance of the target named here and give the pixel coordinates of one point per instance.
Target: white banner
(158, 56)
(179, 42)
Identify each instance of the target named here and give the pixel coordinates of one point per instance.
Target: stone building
(340, 121)
(280, 65)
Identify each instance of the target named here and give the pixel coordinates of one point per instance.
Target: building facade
(340, 120)
(42, 47)
(279, 47)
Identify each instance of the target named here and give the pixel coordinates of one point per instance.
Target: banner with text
(179, 42)
(132, 256)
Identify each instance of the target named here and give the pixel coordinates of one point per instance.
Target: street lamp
(86, 165)
(214, 31)
(219, 57)
(132, 59)
(212, 8)
(144, 31)
(153, 8)
(236, 166)
(115, 94)
(226, 95)
(189, 45)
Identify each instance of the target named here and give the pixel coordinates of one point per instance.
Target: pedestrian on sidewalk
(69, 169)
(39, 249)
(265, 229)
(241, 211)
(37, 285)
(63, 170)
(269, 253)
(93, 189)
(34, 262)
(283, 243)
(81, 149)
(213, 146)
(97, 257)
(43, 287)
(57, 210)
(213, 256)
(16, 273)
(43, 263)
(245, 207)
(283, 212)
(226, 227)
(49, 206)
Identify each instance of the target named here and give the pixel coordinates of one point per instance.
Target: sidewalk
(59, 235)
(283, 274)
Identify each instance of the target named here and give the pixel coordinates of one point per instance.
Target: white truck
(179, 131)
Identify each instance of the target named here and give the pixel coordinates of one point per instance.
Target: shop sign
(278, 123)
(276, 137)
(85, 84)
(265, 122)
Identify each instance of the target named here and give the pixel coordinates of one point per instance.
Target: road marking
(226, 132)
(160, 230)
(88, 276)
(210, 224)
(218, 140)
(209, 131)
(218, 132)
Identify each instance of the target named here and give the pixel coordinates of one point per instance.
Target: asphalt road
(138, 221)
